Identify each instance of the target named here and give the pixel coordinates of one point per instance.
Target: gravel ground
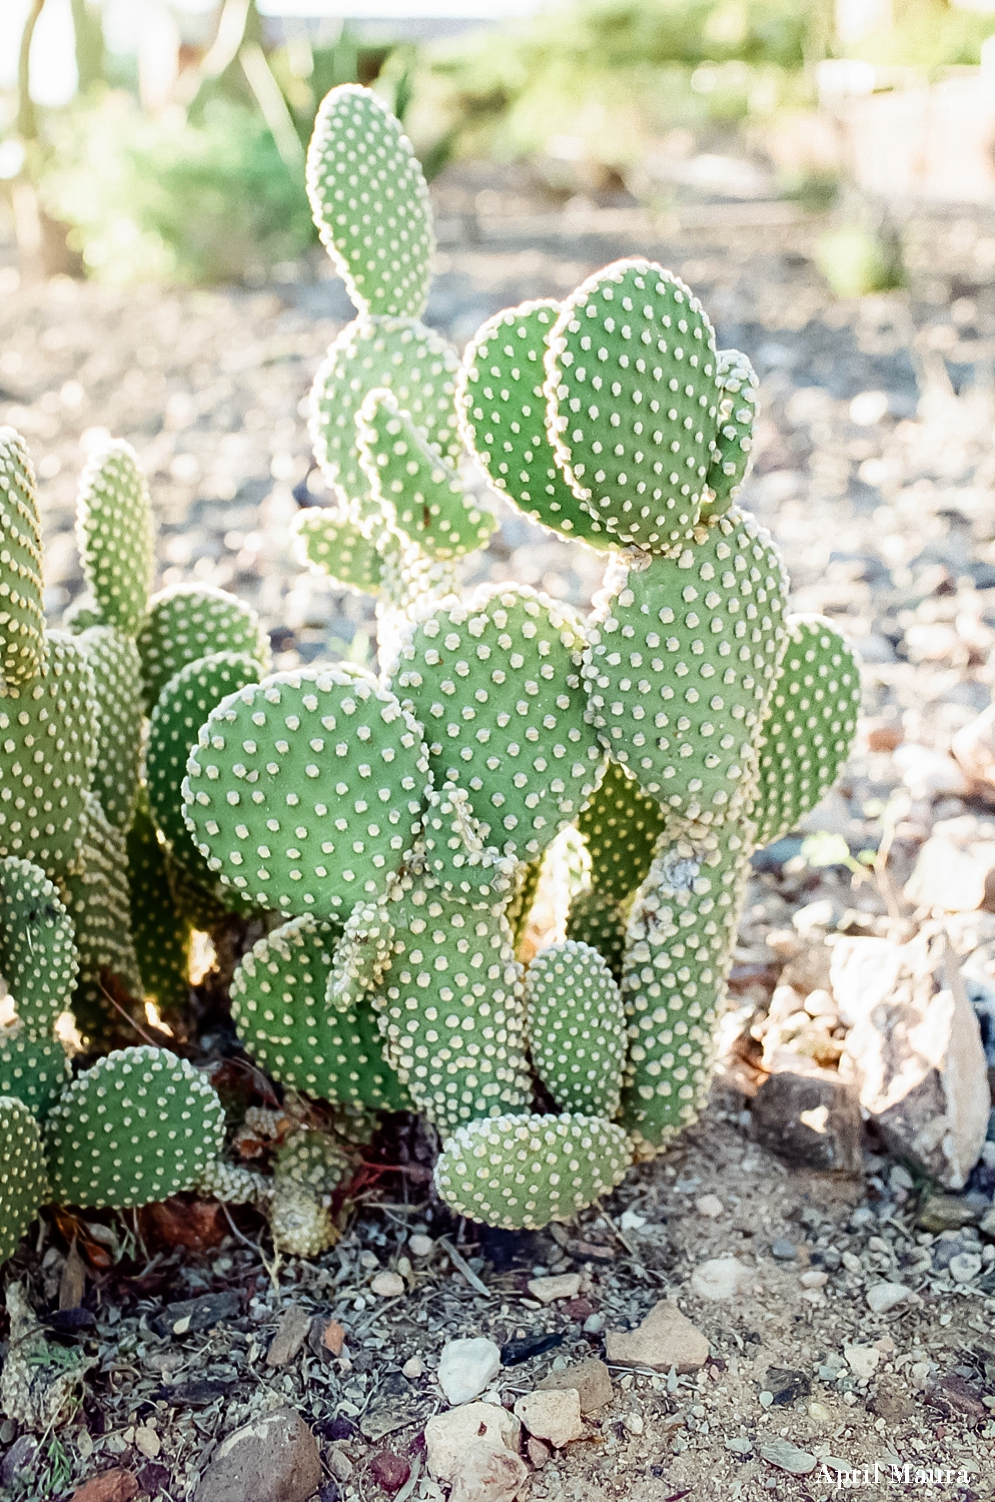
(876, 472)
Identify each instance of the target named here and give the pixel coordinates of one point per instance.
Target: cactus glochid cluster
(380, 838)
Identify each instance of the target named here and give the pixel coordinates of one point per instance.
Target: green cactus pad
(22, 611)
(370, 203)
(188, 621)
(576, 1028)
(115, 535)
(35, 1070)
(116, 667)
(23, 1182)
(283, 1021)
(679, 944)
(495, 681)
(182, 707)
(159, 929)
(813, 719)
(100, 907)
(521, 1172)
(597, 920)
(37, 950)
(621, 825)
(48, 745)
(459, 862)
(137, 1127)
(421, 493)
(633, 402)
(361, 956)
(730, 464)
(304, 792)
(413, 362)
(234, 1185)
(330, 542)
(684, 658)
(502, 409)
(451, 1009)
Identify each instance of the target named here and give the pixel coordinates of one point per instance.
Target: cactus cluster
(386, 835)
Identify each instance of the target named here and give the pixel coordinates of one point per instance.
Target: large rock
(811, 1119)
(474, 1450)
(666, 1338)
(955, 868)
(273, 1458)
(467, 1367)
(552, 1415)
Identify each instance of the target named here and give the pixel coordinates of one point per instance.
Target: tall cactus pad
(576, 1028)
(330, 542)
(99, 905)
(521, 1172)
(811, 726)
(22, 611)
(304, 791)
(137, 1127)
(115, 536)
(413, 362)
(502, 408)
(23, 1183)
(621, 825)
(597, 920)
(116, 667)
(733, 457)
(451, 1009)
(181, 709)
(37, 952)
(190, 621)
(279, 1007)
(683, 663)
(160, 930)
(679, 945)
(496, 683)
(421, 494)
(49, 746)
(35, 1070)
(370, 203)
(633, 402)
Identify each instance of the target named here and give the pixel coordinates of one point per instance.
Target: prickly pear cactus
(22, 613)
(189, 621)
(23, 1182)
(114, 534)
(576, 1028)
(116, 667)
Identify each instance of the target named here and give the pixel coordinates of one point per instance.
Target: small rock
(950, 1212)
(666, 1338)
(340, 1465)
(783, 1250)
(18, 1459)
(274, 1458)
(467, 1367)
(289, 1337)
(956, 1397)
(787, 1457)
(818, 1412)
(111, 1486)
(710, 1206)
(413, 1368)
(387, 1285)
(813, 1278)
(928, 773)
(965, 1266)
(811, 1119)
(785, 1385)
(333, 1337)
(538, 1451)
(329, 1491)
(631, 1220)
(947, 878)
(884, 1296)
(590, 1378)
(420, 1246)
(721, 1278)
(552, 1415)
(894, 1407)
(148, 1442)
(987, 1223)
(739, 1445)
(390, 1471)
(862, 1360)
(973, 748)
(474, 1450)
(191, 1315)
(633, 1422)
(548, 1290)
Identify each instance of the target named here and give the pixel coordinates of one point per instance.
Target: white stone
(948, 878)
(466, 1367)
(420, 1246)
(965, 1266)
(863, 973)
(413, 1368)
(561, 1286)
(710, 1206)
(928, 773)
(814, 1278)
(552, 1415)
(721, 1278)
(387, 1285)
(474, 1450)
(884, 1296)
(862, 1360)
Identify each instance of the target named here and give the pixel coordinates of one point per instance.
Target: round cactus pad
(22, 610)
(188, 621)
(37, 953)
(115, 536)
(576, 1028)
(330, 542)
(23, 1184)
(35, 1070)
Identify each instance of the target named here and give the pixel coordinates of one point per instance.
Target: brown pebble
(113, 1486)
(333, 1337)
(578, 1309)
(539, 1451)
(885, 738)
(390, 1471)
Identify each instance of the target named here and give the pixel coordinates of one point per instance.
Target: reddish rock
(390, 1471)
(113, 1486)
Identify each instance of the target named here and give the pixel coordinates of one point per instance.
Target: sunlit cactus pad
(37, 950)
(22, 612)
(137, 1127)
(576, 1028)
(521, 1172)
(114, 533)
(34, 1069)
(331, 543)
(733, 456)
(189, 621)
(621, 825)
(23, 1182)
(116, 666)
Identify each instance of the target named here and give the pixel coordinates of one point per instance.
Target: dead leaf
(185, 1221)
(72, 1284)
(100, 1257)
(333, 1337)
(112, 1486)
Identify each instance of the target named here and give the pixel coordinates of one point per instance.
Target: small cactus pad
(300, 1223)
(137, 1127)
(330, 542)
(234, 1185)
(23, 1182)
(279, 1008)
(116, 668)
(576, 1028)
(496, 683)
(621, 825)
(304, 791)
(37, 952)
(597, 920)
(684, 659)
(159, 929)
(633, 402)
(811, 726)
(521, 1172)
(502, 409)
(100, 907)
(181, 709)
(189, 621)
(22, 612)
(451, 1009)
(35, 1070)
(48, 747)
(679, 942)
(733, 457)
(413, 362)
(370, 203)
(454, 852)
(421, 493)
(114, 534)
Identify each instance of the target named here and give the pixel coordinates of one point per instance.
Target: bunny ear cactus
(99, 901)
(23, 1181)
(22, 612)
(330, 542)
(115, 536)
(113, 659)
(160, 930)
(37, 951)
(733, 456)
(576, 1028)
(189, 621)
